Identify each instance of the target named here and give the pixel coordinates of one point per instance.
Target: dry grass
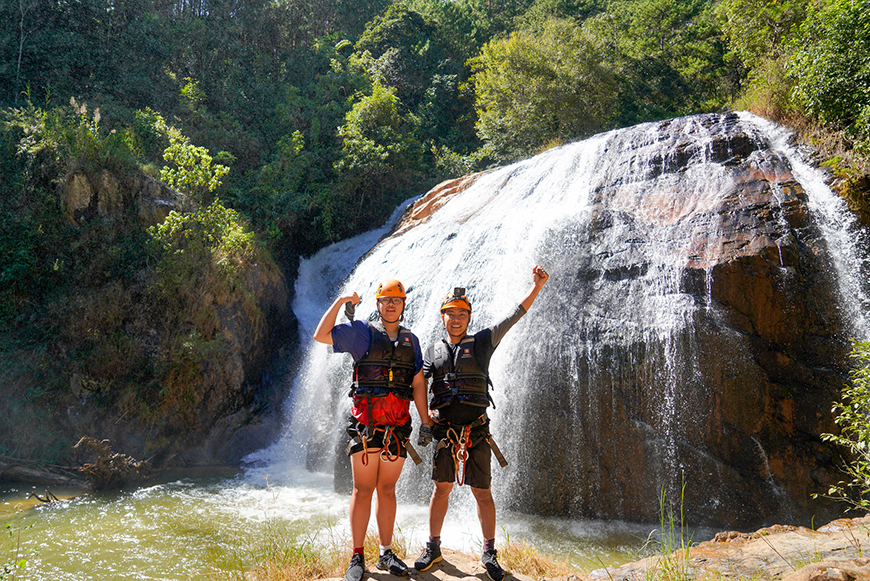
(286, 555)
(521, 557)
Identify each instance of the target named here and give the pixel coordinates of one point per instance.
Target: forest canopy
(328, 113)
(284, 125)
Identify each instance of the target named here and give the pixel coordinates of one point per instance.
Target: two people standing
(455, 417)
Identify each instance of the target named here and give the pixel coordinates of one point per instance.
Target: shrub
(852, 414)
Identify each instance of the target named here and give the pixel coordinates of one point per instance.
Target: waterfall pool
(193, 524)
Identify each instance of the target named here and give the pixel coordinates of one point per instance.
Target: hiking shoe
(430, 555)
(357, 568)
(493, 569)
(390, 562)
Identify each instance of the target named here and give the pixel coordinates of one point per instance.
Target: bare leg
(438, 505)
(385, 504)
(365, 479)
(485, 511)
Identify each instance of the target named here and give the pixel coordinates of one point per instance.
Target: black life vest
(385, 368)
(459, 378)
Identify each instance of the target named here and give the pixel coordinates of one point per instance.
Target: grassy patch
(287, 552)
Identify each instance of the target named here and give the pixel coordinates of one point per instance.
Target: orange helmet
(456, 300)
(390, 288)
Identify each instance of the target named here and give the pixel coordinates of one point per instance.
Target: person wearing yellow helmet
(387, 376)
(459, 368)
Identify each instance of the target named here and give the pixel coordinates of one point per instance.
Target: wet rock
(694, 329)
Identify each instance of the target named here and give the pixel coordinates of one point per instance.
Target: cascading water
(628, 374)
(704, 285)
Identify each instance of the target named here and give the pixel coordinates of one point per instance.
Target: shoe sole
(435, 560)
(402, 574)
(494, 579)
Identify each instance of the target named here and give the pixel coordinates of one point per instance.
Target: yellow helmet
(390, 288)
(456, 300)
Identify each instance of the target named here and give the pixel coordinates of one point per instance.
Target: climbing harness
(367, 434)
(459, 440)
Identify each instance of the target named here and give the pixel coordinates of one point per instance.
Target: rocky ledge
(834, 552)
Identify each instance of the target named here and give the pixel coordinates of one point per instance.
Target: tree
(756, 29)
(191, 169)
(669, 57)
(404, 51)
(831, 66)
(533, 89)
(377, 161)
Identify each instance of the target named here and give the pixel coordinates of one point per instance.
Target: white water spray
(617, 221)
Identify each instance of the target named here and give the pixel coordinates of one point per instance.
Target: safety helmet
(390, 288)
(456, 300)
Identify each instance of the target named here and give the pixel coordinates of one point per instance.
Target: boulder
(691, 339)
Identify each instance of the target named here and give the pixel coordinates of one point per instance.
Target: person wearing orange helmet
(387, 376)
(459, 368)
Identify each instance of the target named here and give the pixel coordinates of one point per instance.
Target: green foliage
(533, 88)
(191, 247)
(16, 561)
(202, 259)
(852, 414)
(279, 185)
(674, 541)
(69, 141)
(376, 138)
(669, 58)
(831, 66)
(757, 29)
(191, 169)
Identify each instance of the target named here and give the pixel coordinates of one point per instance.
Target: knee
(442, 490)
(387, 492)
(483, 495)
(362, 490)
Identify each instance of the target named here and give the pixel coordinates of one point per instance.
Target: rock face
(83, 197)
(217, 416)
(690, 341)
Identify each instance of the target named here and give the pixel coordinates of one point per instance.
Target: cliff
(159, 337)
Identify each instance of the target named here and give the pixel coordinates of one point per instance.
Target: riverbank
(834, 552)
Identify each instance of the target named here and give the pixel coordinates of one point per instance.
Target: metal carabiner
(385, 451)
(462, 453)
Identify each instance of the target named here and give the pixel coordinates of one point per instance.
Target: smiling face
(455, 322)
(391, 308)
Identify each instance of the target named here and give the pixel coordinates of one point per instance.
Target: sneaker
(493, 569)
(356, 569)
(430, 555)
(390, 562)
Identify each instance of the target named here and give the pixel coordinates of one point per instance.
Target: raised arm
(539, 277)
(323, 333)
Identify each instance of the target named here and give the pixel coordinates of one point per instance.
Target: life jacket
(382, 379)
(460, 378)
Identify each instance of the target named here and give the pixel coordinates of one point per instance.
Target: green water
(198, 525)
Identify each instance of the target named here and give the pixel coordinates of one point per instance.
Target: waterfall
(610, 387)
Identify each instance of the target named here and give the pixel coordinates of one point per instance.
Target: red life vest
(382, 379)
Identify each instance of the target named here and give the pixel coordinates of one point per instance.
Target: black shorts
(376, 440)
(478, 471)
